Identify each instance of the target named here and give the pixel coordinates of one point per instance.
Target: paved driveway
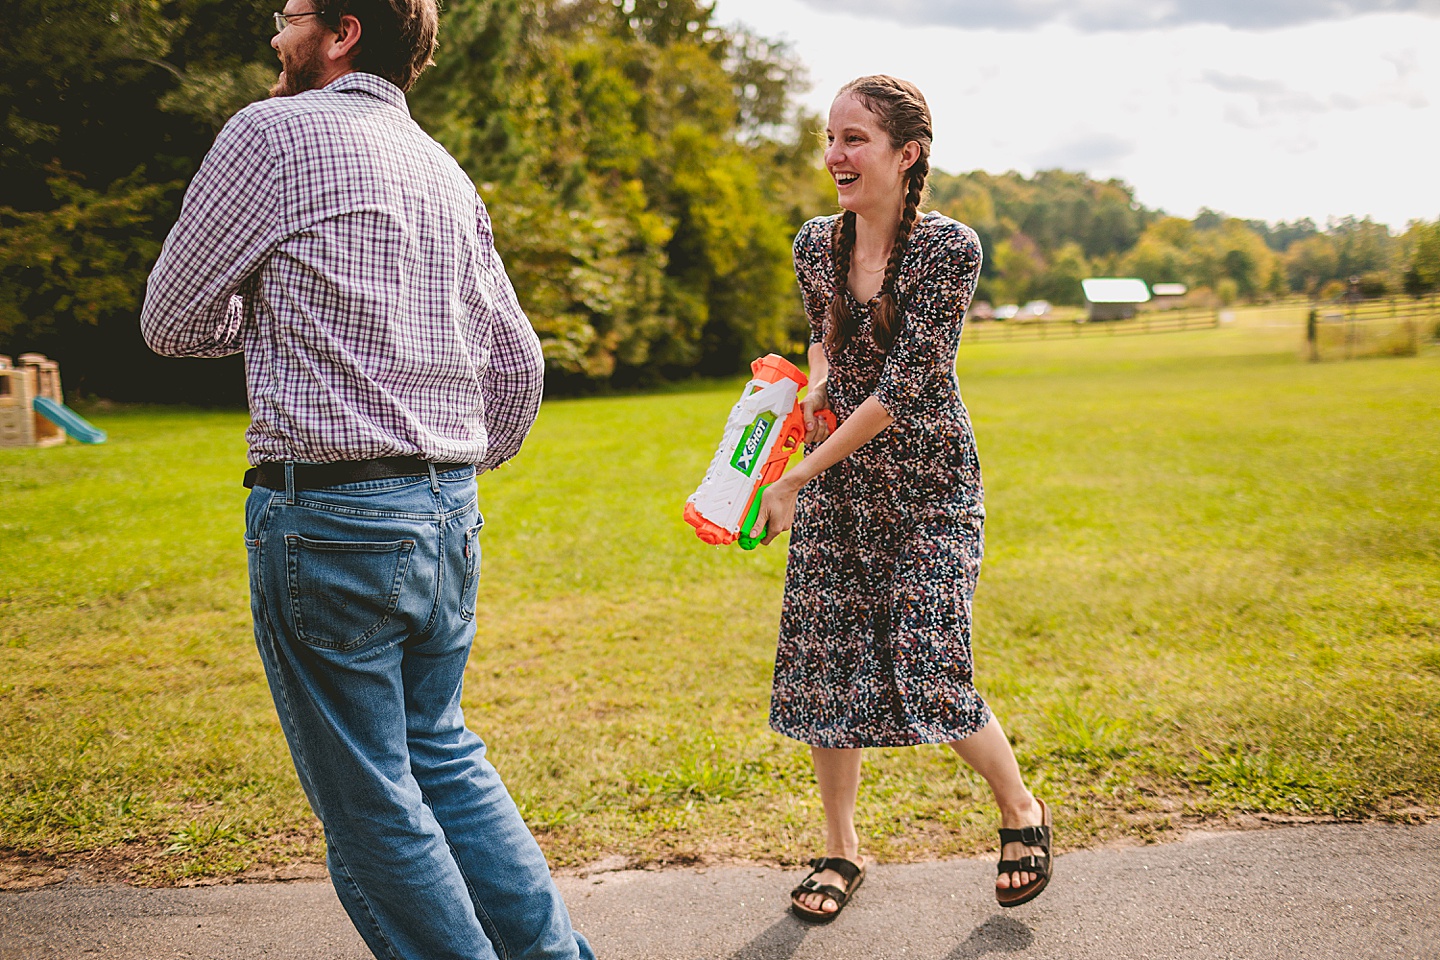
(1347, 892)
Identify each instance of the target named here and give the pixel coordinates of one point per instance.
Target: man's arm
(195, 300)
(514, 381)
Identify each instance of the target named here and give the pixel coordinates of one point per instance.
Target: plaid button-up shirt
(350, 258)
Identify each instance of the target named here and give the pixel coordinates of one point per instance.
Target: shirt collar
(378, 87)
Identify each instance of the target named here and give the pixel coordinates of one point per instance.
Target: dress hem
(918, 740)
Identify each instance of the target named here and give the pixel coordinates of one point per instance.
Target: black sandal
(854, 876)
(1041, 866)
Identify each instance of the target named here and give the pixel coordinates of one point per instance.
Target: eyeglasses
(282, 20)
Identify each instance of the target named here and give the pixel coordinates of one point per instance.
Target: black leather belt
(313, 476)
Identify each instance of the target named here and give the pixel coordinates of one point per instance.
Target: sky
(1262, 109)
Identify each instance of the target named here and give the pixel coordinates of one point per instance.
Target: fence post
(1310, 335)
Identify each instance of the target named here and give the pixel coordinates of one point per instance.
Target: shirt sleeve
(513, 383)
(815, 290)
(933, 313)
(201, 289)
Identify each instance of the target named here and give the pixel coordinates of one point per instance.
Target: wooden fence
(1344, 329)
(1151, 321)
(1349, 330)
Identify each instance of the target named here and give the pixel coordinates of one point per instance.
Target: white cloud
(1085, 150)
(1257, 102)
(1329, 119)
(1089, 15)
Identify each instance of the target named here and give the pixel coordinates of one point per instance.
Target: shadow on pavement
(779, 941)
(996, 935)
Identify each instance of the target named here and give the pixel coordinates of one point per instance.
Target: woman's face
(869, 174)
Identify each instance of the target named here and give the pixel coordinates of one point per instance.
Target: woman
(888, 511)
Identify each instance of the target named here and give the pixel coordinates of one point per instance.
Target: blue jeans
(363, 597)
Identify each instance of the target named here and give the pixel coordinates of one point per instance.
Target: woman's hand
(777, 508)
(816, 430)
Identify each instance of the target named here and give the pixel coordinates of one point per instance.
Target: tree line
(645, 165)
(1044, 234)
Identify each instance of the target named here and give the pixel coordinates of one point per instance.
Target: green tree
(645, 168)
(641, 165)
(1422, 267)
(1311, 262)
(1060, 282)
(106, 107)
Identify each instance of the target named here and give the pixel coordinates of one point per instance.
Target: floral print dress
(885, 550)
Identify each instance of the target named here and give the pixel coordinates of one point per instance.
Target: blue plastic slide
(69, 421)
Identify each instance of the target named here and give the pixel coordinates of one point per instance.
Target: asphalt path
(1341, 891)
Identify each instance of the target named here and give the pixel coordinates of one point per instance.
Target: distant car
(1035, 310)
(981, 310)
(1006, 311)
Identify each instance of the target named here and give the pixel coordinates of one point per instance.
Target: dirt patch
(153, 864)
(25, 870)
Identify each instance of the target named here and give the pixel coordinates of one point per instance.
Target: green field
(1211, 590)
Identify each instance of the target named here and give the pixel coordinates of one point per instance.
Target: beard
(299, 72)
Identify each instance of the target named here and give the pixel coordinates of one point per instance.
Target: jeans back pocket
(342, 592)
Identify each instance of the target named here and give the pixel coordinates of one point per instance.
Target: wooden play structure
(32, 409)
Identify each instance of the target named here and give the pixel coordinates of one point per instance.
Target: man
(387, 359)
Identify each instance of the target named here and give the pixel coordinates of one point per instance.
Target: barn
(1113, 298)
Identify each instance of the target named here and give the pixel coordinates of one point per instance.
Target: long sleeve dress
(885, 550)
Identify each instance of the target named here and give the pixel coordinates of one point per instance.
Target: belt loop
(289, 482)
(434, 480)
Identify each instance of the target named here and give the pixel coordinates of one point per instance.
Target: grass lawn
(1211, 589)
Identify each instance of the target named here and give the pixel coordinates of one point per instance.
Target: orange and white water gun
(764, 428)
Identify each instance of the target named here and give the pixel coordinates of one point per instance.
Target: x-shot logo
(748, 451)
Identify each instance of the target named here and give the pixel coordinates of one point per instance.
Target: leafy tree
(1280, 236)
(645, 168)
(1361, 246)
(637, 161)
(1165, 253)
(107, 107)
(1060, 283)
(1422, 269)
(1019, 264)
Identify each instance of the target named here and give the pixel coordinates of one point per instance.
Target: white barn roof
(1115, 290)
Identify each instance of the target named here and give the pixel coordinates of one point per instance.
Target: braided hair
(904, 116)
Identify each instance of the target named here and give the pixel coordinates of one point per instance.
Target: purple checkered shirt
(352, 261)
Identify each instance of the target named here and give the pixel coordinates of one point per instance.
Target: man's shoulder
(275, 112)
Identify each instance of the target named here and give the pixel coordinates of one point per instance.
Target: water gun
(764, 428)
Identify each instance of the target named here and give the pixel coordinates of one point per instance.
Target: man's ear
(347, 39)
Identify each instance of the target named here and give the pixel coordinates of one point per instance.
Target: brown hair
(904, 116)
(397, 37)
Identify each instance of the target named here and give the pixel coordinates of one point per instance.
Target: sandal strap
(840, 865)
(1027, 864)
(1032, 836)
(824, 889)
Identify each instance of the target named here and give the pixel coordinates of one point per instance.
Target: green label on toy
(747, 452)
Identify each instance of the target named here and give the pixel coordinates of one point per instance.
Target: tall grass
(1211, 588)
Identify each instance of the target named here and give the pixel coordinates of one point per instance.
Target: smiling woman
(888, 512)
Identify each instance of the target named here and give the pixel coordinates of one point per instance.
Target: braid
(842, 322)
(887, 311)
